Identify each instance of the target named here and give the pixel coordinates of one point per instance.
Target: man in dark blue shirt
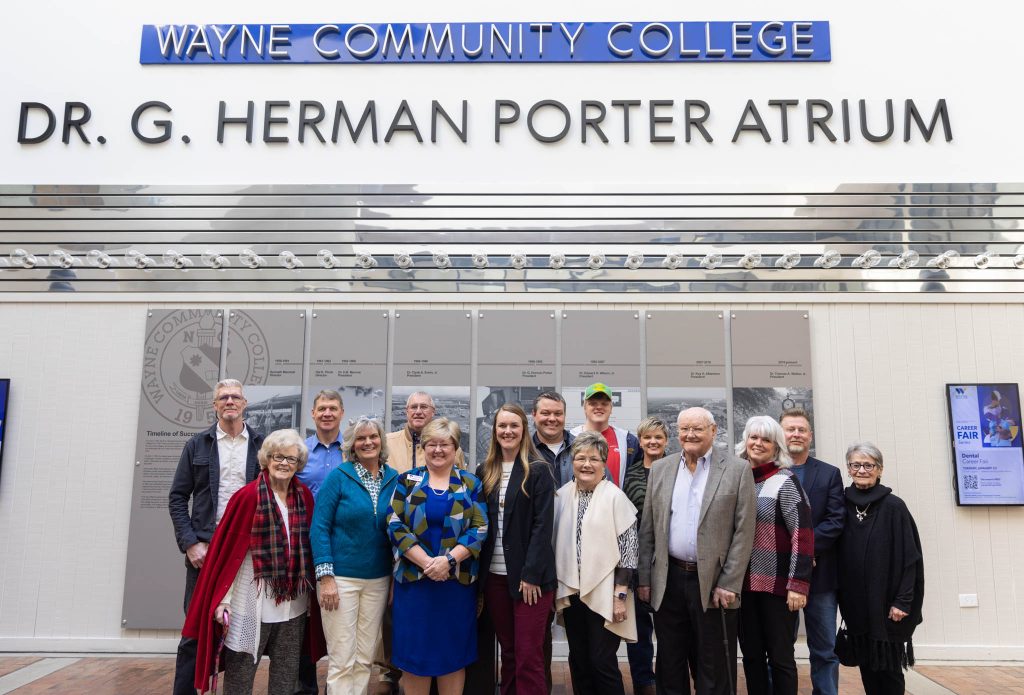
(324, 456)
(823, 484)
(324, 446)
(550, 437)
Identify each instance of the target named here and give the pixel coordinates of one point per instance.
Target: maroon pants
(520, 629)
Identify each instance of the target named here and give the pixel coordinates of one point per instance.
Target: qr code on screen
(970, 482)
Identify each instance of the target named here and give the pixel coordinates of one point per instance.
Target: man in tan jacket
(404, 448)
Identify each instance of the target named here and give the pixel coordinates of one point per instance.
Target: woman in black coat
(517, 563)
(881, 575)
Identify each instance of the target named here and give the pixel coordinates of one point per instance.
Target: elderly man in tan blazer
(404, 449)
(695, 539)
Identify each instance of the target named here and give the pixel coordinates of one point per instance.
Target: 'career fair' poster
(5, 385)
(985, 420)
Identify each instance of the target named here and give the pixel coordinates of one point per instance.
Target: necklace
(861, 513)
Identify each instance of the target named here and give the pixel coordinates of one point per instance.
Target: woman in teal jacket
(352, 554)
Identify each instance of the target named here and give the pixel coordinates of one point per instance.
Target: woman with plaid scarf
(252, 594)
(779, 576)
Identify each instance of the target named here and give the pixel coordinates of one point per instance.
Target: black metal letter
(51, 123)
(164, 125)
(500, 120)
(223, 120)
(71, 122)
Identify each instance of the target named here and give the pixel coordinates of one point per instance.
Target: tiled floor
(977, 680)
(13, 663)
(136, 675)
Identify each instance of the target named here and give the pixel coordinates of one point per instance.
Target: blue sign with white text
(487, 42)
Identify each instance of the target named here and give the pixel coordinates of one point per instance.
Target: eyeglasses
(417, 407)
(230, 397)
(587, 459)
(278, 458)
(693, 430)
(439, 446)
(866, 467)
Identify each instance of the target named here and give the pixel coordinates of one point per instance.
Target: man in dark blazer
(214, 464)
(823, 484)
(696, 534)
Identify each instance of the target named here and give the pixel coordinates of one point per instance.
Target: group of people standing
(300, 548)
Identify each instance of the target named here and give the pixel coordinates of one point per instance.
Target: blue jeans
(641, 653)
(820, 623)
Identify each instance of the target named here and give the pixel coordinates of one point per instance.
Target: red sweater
(783, 553)
(228, 547)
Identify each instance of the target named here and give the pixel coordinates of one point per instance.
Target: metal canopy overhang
(669, 231)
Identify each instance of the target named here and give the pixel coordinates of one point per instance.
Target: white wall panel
(67, 470)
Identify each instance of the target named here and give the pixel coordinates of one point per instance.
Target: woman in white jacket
(596, 554)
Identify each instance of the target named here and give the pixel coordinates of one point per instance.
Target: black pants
(883, 682)
(684, 628)
(766, 635)
(185, 662)
(593, 662)
(481, 674)
(307, 675)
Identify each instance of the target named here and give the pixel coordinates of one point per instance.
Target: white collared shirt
(233, 453)
(687, 497)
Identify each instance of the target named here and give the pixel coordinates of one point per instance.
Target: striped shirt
(498, 559)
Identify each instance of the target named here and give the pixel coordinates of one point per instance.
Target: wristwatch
(451, 563)
(621, 595)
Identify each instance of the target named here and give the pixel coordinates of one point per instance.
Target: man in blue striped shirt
(324, 456)
(324, 446)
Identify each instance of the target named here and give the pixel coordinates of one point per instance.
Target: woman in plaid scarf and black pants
(253, 591)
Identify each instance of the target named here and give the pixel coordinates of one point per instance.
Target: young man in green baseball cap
(623, 446)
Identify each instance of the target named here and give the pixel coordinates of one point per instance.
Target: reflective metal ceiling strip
(668, 231)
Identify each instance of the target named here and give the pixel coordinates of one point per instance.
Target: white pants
(352, 632)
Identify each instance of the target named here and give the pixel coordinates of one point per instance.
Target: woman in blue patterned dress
(437, 522)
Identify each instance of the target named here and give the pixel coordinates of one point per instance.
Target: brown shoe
(646, 690)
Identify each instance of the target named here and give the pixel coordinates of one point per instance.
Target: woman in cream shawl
(595, 555)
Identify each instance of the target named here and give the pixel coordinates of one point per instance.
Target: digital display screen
(988, 455)
(5, 387)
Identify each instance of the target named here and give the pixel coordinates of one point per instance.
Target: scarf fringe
(282, 591)
(883, 655)
(281, 562)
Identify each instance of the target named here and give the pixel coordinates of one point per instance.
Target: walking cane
(220, 648)
(725, 643)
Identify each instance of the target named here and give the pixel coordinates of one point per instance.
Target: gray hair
(764, 426)
(590, 440)
(430, 398)
(866, 448)
(282, 439)
(227, 383)
(329, 395)
(348, 440)
(709, 417)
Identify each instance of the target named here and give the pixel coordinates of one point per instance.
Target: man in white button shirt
(696, 533)
(214, 465)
